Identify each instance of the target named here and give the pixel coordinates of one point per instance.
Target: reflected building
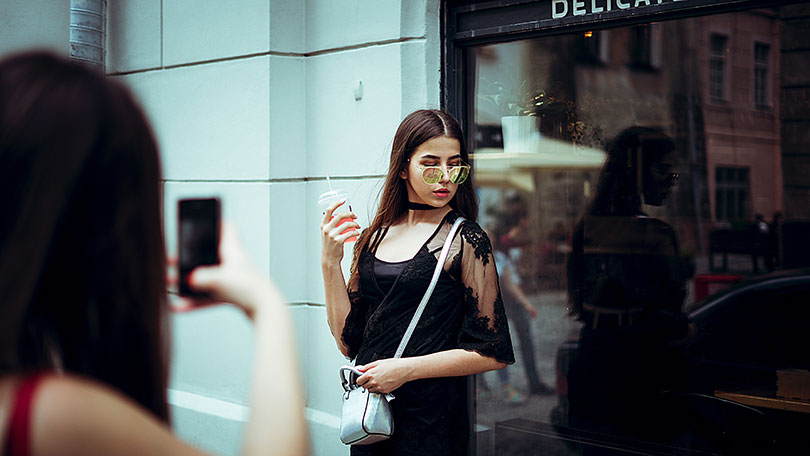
(795, 110)
(741, 112)
(711, 83)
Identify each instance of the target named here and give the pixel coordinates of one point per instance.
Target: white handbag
(366, 417)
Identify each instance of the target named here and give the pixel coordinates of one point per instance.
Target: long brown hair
(416, 129)
(82, 265)
(621, 182)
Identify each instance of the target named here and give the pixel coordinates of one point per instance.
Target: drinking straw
(328, 182)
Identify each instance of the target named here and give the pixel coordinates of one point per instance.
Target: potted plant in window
(519, 110)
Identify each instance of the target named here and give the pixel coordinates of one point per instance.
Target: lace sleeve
(485, 329)
(356, 319)
(355, 323)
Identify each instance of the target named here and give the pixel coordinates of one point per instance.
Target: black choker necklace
(420, 207)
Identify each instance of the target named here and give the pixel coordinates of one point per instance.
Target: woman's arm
(386, 375)
(277, 420)
(334, 285)
(337, 301)
(508, 282)
(79, 416)
(277, 423)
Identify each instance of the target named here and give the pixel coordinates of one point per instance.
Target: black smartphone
(198, 227)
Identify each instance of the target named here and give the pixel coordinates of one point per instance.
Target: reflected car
(744, 334)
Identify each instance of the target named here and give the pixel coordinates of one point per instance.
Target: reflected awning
(495, 168)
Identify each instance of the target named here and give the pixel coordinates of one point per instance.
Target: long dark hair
(620, 187)
(82, 262)
(416, 129)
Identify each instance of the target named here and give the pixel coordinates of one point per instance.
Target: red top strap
(18, 437)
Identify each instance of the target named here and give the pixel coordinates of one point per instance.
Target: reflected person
(508, 242)
(626, 286)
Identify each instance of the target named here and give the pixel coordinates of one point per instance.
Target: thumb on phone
(205, 279)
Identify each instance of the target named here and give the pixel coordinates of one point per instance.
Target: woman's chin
(438, 202)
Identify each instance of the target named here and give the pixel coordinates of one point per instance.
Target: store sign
(502, 17)
(564, 8)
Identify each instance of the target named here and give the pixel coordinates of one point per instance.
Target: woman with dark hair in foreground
(83, 304)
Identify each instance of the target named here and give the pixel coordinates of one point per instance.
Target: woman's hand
(235, 280)
(334, 233)
(277, 406)
(385, 375)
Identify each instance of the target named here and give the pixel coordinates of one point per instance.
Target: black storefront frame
(469, 23)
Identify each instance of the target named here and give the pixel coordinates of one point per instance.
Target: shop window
(544, 109)
(761, 66)
(732, 194)
(717, 67)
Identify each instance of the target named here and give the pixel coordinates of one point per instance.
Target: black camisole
(386, 273)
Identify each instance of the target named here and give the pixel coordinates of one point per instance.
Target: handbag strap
(433, 281)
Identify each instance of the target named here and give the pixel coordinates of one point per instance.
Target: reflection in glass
(625, 283)
(563, 125)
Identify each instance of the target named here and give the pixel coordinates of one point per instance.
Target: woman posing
(463, 329)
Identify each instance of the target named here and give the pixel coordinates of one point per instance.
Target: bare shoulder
(82, 416)
(77, 397)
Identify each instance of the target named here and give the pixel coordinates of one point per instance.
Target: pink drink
(353, 238)
(328, 198)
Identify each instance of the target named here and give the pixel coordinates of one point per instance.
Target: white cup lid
(332, 196)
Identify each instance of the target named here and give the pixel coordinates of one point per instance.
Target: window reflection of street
(737, 211)
(551, 328)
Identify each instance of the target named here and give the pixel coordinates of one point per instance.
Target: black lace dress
(465, 311)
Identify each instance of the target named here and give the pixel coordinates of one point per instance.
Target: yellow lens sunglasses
(433, 174)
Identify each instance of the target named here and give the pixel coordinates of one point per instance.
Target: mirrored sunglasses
(433, 174)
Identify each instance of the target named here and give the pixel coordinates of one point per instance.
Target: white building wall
(26, 24)
(253, 101)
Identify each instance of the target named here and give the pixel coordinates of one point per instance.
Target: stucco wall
(26, 24)
(254, 101)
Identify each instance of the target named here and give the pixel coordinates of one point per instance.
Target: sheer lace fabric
(465, 311)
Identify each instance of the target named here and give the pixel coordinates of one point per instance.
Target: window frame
(731, 189)
(718, 64)
(761, 65)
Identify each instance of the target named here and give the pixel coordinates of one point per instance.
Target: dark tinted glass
(601, 250)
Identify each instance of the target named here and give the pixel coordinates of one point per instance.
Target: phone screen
(198, 237)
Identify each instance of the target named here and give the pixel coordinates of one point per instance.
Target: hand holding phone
(199, 225)
(235, 280)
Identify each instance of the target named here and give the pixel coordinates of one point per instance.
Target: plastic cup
(328, 198)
